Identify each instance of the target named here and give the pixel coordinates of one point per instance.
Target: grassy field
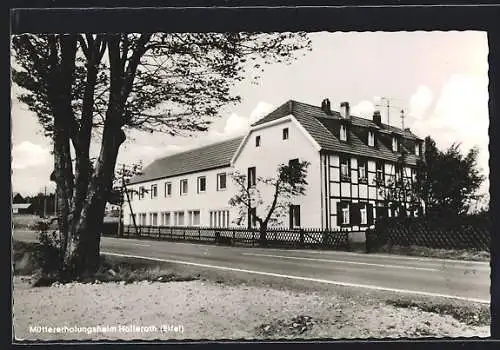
(25, 221)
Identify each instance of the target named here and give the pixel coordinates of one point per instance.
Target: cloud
(420, 102)
(364, 109)
(460, 116)
(27, 154)
(236, 124)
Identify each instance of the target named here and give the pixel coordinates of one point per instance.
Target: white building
(351, 160)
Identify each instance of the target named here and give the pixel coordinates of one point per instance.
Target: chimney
(326, 106)
(377, 118)
(345, 110)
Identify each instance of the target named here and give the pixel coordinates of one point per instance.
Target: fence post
(158, 232)
(184, 234)
(171, 232)
(234, 235)
(301, 238)
(199, 234)
(253, 238)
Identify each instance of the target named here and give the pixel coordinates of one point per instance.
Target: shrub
(50, 254)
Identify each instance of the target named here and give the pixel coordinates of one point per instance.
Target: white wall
(211, 199)
(274, 151)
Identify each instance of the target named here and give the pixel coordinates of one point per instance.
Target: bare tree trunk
(263, 234)
(82, 254)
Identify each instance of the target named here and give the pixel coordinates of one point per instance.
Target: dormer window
(394, 144)
(371, 138)
(343, 133)
(257, 141)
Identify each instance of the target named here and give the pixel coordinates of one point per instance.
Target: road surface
(463, 280)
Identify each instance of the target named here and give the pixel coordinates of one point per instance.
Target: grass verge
(471, 314)
(112, 269)
(458, 254)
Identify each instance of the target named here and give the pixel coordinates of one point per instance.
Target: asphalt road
(409, 275)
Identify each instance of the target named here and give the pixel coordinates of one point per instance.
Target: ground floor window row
(361, 213)
(215, 218)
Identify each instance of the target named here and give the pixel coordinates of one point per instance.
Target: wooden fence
(275, 237)
(438, 232)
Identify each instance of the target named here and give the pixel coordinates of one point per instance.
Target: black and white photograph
(250, 185)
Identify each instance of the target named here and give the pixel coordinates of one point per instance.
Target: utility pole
(45, 202)
(121, 202)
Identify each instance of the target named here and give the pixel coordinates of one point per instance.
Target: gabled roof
(212, 156)
(321, 127)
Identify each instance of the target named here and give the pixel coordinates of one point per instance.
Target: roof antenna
(386, 102)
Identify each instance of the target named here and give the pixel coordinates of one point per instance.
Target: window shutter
(340, 218)
(290, 215)
(369, 214)
(297, 210)
(354, 211)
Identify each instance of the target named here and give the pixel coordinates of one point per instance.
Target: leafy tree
(447, 181)
(289, 182)
(402, 188)
(451, 180)
(87, 88)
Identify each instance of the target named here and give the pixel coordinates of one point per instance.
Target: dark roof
(212, 156)
(321, 126)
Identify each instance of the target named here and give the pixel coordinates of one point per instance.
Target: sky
(440, 80)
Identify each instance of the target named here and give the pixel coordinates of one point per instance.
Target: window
(141, 192)
(257, 141)
(362, 171)
(221, 181)
(184, 187)
(293, 163)
(343, 213)
(165, 219)
(294, 216)
(380, 171)
(417, 149)
(399, 172)
(343, 133)
(363, 214)
(194, 218)
(413, 175)
(154, 191)
(202, 184)
(371, 138)
(168, 189)
(143, 219)
(394, 144)
(219, 218)
(251, 177)
(130, 195)
(344, 169)
(285, 134)
(154, 219)
(179, 218)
